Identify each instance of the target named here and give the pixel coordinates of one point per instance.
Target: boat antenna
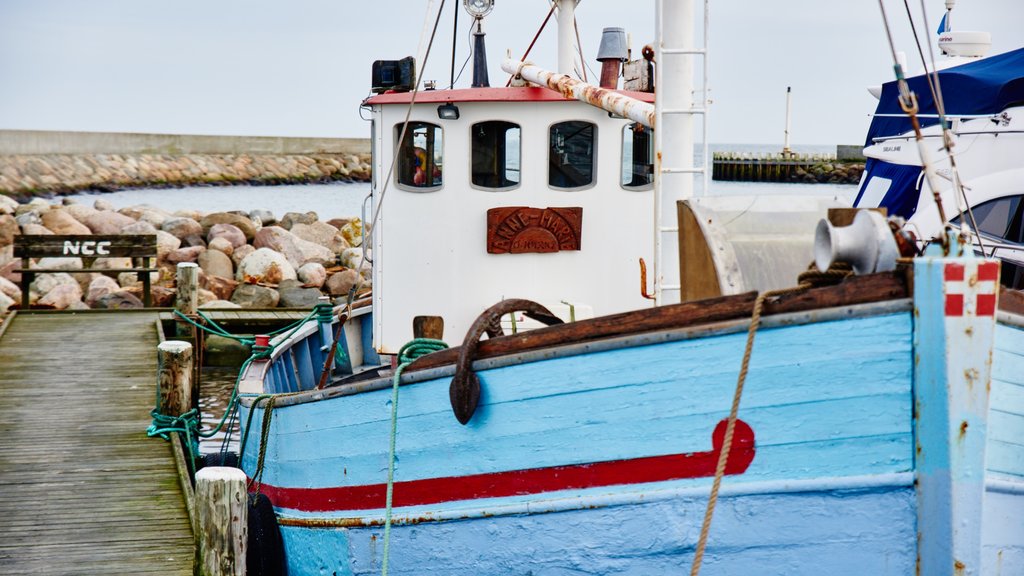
(908, 102)
(455, 35)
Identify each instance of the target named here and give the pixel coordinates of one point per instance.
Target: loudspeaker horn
(867, 244)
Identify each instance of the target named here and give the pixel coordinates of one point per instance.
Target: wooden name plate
(522, 230)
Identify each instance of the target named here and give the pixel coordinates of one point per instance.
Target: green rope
(410, 352)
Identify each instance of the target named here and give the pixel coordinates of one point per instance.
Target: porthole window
(420, 156)
(571, 154)
(637, 156)
(495, 146)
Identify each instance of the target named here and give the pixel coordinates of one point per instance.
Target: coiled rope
(410, 352)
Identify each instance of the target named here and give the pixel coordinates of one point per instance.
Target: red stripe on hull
(524, 482)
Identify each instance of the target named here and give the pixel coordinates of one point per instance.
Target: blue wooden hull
(594, 459)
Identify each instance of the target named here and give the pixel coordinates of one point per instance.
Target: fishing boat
(981, 108)
(867, 426)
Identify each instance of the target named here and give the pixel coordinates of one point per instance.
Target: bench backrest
(84, 245)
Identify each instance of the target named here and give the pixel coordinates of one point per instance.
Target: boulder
(139, 228)
(43, 284)
(222, 287)
(165, 244)
(102, 205)
(193, 214)
(9, 205)
(340, 283)
(220, 305)
(243, 223)
(28, 218)
(292, 218)
(253, 296)
(353, 257)
(340, 223)
(154, 217)
(294, 295)
(312, 274)
(215, 263)
(60, 221)
(52, 263)
(189, 254)
(295, 249)
(323, 234)
(222, 245)
(160, 297)
(62, 296)
(6, 301)
(353, 232)
(10, 288)
(266, 217)
(193, 240)
(8, 270)
(8, 229)
(120, 300)
(182, 227)
(99, 287)
(35, 230)
(80, 211)
(107, 222)
(112, 263)
(266, 267)
(241, 252)
(229, 232)
(205, 297)
(223, 351)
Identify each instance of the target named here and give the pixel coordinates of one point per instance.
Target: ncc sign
(87, 248)
(82, 245)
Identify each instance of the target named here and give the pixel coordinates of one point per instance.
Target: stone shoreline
(27, 176)
(246, 259)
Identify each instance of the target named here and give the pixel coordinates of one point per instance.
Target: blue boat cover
(987, 86)
(904, 189)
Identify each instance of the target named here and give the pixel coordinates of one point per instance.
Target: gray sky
(301, 67)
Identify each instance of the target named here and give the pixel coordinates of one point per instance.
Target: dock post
(186, 302)
(222, 511)
(174, 377)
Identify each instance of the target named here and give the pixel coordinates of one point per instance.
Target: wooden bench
(139, 247)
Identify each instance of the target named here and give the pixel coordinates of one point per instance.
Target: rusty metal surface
(464, 391)
(570, 88)
(521, 230)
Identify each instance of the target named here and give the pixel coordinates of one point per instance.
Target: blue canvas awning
(894, 186)
(987, 86)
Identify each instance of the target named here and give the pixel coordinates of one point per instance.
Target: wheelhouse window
(571, 154)
(420, 155)
(637, 156)
(495, 146)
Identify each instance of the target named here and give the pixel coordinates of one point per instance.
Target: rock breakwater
(246, 259)
(23, 176)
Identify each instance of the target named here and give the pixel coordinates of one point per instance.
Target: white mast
(567, 36)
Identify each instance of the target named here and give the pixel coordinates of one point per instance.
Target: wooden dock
(83, 490)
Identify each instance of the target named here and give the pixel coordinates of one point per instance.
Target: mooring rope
(723, 455)
(408, 353)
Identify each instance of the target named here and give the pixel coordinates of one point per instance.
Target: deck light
(478, 8)
(448, 111)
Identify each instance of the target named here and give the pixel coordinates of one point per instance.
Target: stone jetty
(41, 163)
(247, 259)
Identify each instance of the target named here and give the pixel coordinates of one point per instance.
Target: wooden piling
(187, 299)
(174, 377)
(222, 512)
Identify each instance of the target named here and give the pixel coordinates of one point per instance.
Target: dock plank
(84, 490)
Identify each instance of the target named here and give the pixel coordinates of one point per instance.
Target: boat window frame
(397, 132)
(471, 151)
(622, 163)
(593, 161)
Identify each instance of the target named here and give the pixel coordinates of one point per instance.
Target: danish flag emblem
(971, 288)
